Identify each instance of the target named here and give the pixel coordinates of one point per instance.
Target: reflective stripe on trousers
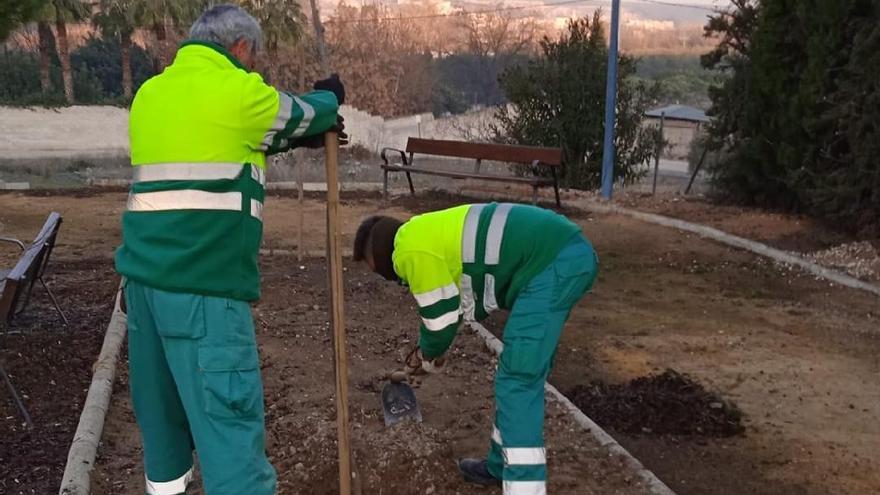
(172, 487)
(520, 456)
(525, 488)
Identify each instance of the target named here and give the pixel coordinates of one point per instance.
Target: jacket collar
(210, 50)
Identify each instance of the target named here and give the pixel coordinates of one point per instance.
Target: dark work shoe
(477, 471)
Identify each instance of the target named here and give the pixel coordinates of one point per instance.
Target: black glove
(334, 85)
(317, 141)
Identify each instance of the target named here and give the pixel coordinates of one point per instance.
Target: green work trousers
(195, 386)
(516, 454)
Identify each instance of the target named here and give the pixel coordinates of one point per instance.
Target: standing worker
(466, 262)
(200, 133)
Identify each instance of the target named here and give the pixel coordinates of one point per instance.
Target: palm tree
(47, 44)
(282, 22)
(16, 13)
(156, 15)
(60, 12)
(117, 19)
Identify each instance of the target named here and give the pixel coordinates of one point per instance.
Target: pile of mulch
(670, 403)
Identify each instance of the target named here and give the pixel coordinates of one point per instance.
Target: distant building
(682, 124)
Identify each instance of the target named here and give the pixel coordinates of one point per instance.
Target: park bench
(17, 283)
(535, 157)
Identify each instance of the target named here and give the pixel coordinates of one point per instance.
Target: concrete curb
(652, 482)
(84, 448)
(741, 243)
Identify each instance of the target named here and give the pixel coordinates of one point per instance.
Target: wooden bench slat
(465, 175)
(485, 151)
(530, 155)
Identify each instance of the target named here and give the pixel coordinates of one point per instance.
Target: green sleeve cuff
(325, 107)
(435, 344)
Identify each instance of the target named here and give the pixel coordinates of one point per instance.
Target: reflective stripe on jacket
(467, 261)
(200, 133)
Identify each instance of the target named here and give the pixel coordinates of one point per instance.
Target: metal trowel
(399, 400)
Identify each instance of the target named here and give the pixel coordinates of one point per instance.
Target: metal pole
(17, 399)
(659, 150)
(610, 105)
(697, 169)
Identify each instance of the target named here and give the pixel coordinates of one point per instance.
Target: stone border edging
(741, 243)
(654, 485)
(84, 448)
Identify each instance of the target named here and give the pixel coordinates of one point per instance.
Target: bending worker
(464, 263)
(200, 133)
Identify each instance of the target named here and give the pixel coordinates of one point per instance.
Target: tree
(160, 15)
(46, 48)
(558, 100)
(485, 44)
(282, 22)
(61, 12)
(797, 118)
(117, 20)
(391, 74)
(495, 41)
(14, 13)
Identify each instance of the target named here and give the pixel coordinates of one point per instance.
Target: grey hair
(225, 24)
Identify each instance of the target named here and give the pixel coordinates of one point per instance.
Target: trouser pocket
(177, 315)
(575, 271)
(231, 381)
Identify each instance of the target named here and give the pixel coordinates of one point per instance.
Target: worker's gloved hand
(417, 364)
(317, 141)
(334, 85)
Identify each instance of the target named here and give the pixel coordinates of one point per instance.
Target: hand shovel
(399, 400)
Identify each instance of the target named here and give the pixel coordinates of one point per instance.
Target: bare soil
(797, 356)
(50, 366)
(296, 352)
(781, 230)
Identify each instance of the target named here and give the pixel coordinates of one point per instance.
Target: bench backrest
(20, 281)
(485, 151)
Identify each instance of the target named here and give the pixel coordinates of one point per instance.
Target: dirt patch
(669, 403)
(786, 231)
(296, 353)
(76, 191)
(51, 366)
(797, 355)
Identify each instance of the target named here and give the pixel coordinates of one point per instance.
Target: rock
(299, 466)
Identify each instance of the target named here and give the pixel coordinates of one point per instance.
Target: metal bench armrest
(395, 150)
(13, 241)
(535, 165)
